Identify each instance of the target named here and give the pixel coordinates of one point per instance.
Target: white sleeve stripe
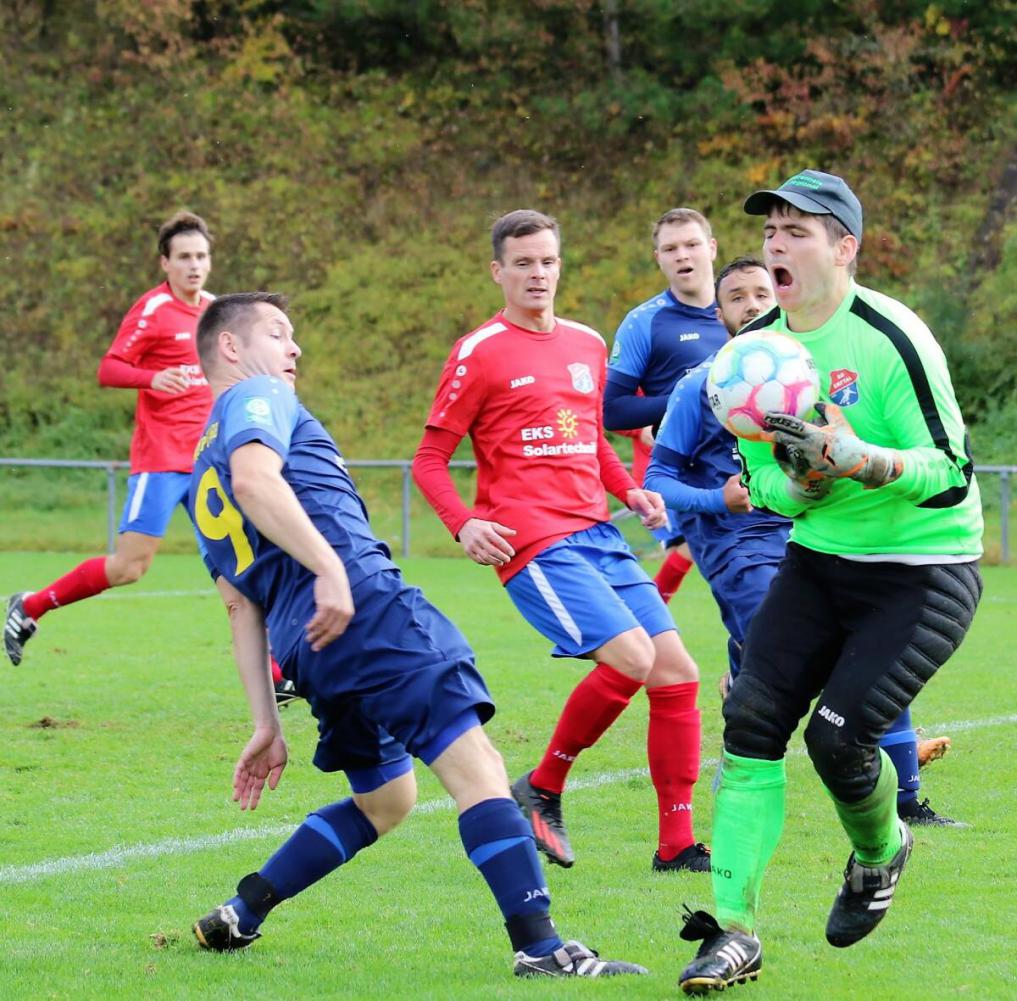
(554, 602)
(155, 302)
(466, 348)
(582, 326)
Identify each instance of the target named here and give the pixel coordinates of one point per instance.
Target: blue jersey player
(387, 676)
(738, 548)
(659, 341)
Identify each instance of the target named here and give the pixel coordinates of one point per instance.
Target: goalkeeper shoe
(285, 692)
(725, 958)
(573, 959)
(866, 894)
(932, 750)
(220, 931)
(695, 858)
(19, 627)
(922, 815)
(542, 810)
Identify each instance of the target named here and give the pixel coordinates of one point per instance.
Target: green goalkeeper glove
(830, 449)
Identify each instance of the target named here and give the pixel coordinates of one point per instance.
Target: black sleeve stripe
(765, 320)
(923, 391)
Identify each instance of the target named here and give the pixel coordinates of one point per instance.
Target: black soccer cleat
(573, 959)
(220, 931)
(285, 692)
(542, 810)
(922, 815)
(19, 627)
(724, 959)
(695, 858)
(866, 895)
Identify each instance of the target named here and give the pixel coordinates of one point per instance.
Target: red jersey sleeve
(431, 474)
(613, 474)
(132, 340)
(462, 389)
(116, 374)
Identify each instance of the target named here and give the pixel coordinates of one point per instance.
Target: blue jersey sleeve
(631, 350)
(262, 409)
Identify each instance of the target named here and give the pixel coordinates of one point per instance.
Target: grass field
(119, 735)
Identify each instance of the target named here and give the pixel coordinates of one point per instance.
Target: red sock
(83, 581)
(671, 574)
(672, 748)
(596, 702)
(276, 671)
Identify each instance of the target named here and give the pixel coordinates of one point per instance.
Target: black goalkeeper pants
(861, 639)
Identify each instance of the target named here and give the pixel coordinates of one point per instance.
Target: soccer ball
(757, 372)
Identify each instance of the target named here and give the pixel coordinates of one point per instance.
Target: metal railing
(111, 466)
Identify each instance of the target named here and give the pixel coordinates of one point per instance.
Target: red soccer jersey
(160, 332)
(532, 404)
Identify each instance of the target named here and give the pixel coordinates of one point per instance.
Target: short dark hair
(738, 264)
(235, 312)
(678, 217)
(521, 222)
(181, 222)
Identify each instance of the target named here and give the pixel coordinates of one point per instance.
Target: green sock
(872, 824)
(748, 818)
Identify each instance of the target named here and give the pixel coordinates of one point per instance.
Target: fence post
(111, 508)
(1004, 515)
(406, 509)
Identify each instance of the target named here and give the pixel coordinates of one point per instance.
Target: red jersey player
(527, 388)
(154, 352)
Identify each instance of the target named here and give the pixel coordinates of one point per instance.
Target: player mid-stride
(387, 676)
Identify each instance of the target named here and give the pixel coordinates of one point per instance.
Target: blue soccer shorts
(151, 498)
(739, 588)
(586, 589)
(400, 681)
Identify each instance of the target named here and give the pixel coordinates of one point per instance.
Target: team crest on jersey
(843, 387)
(582, 378)
(258, 410)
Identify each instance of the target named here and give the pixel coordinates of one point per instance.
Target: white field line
(121, 855)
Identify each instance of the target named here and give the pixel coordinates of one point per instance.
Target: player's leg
(901, 745)
(151, 498)
(789, 641)
(499, 842)
(677, 563)
(902, 623)
(565, 594)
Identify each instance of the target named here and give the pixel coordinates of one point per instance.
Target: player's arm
(123, 366)
(625, 408)
(485, 542)
(264, 758)
(269, 503)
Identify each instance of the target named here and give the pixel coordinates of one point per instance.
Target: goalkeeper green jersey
(880, 363)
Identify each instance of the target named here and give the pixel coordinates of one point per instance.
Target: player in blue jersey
(659, 341)
(696, 468)
(387, 676)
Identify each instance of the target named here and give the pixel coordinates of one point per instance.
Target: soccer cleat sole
(703, 985)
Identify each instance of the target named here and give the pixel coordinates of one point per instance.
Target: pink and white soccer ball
(758, 372)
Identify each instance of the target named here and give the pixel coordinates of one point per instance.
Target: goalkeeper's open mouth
(782, 278)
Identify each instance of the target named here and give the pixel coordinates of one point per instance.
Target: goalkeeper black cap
(817, 193)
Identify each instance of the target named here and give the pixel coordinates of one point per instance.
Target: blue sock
(500, 844)
(901, 745)
(323, 842)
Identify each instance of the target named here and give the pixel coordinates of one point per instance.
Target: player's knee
(849, 769)
(754, 724)
(388, 807)
(635, 657)
(122, 570)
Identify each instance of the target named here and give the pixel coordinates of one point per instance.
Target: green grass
(146, 718)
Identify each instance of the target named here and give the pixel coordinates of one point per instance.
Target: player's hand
(333, 609)
(486, 542)
(830, 449)
(736, 497)
(171, 380)
(261, 761)
(646, 437)
(649, 505)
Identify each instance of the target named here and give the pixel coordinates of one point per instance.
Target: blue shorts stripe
(138, 498)
(554, 602)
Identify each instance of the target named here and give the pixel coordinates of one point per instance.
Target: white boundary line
(121, 855)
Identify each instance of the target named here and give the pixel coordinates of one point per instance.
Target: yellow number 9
(228, 524)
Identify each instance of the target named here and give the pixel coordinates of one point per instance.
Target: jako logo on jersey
(694, 336)
(568, 423)
(844, 387)
(582, 379)
(258, 410)
(830, 716)
(524, 380)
